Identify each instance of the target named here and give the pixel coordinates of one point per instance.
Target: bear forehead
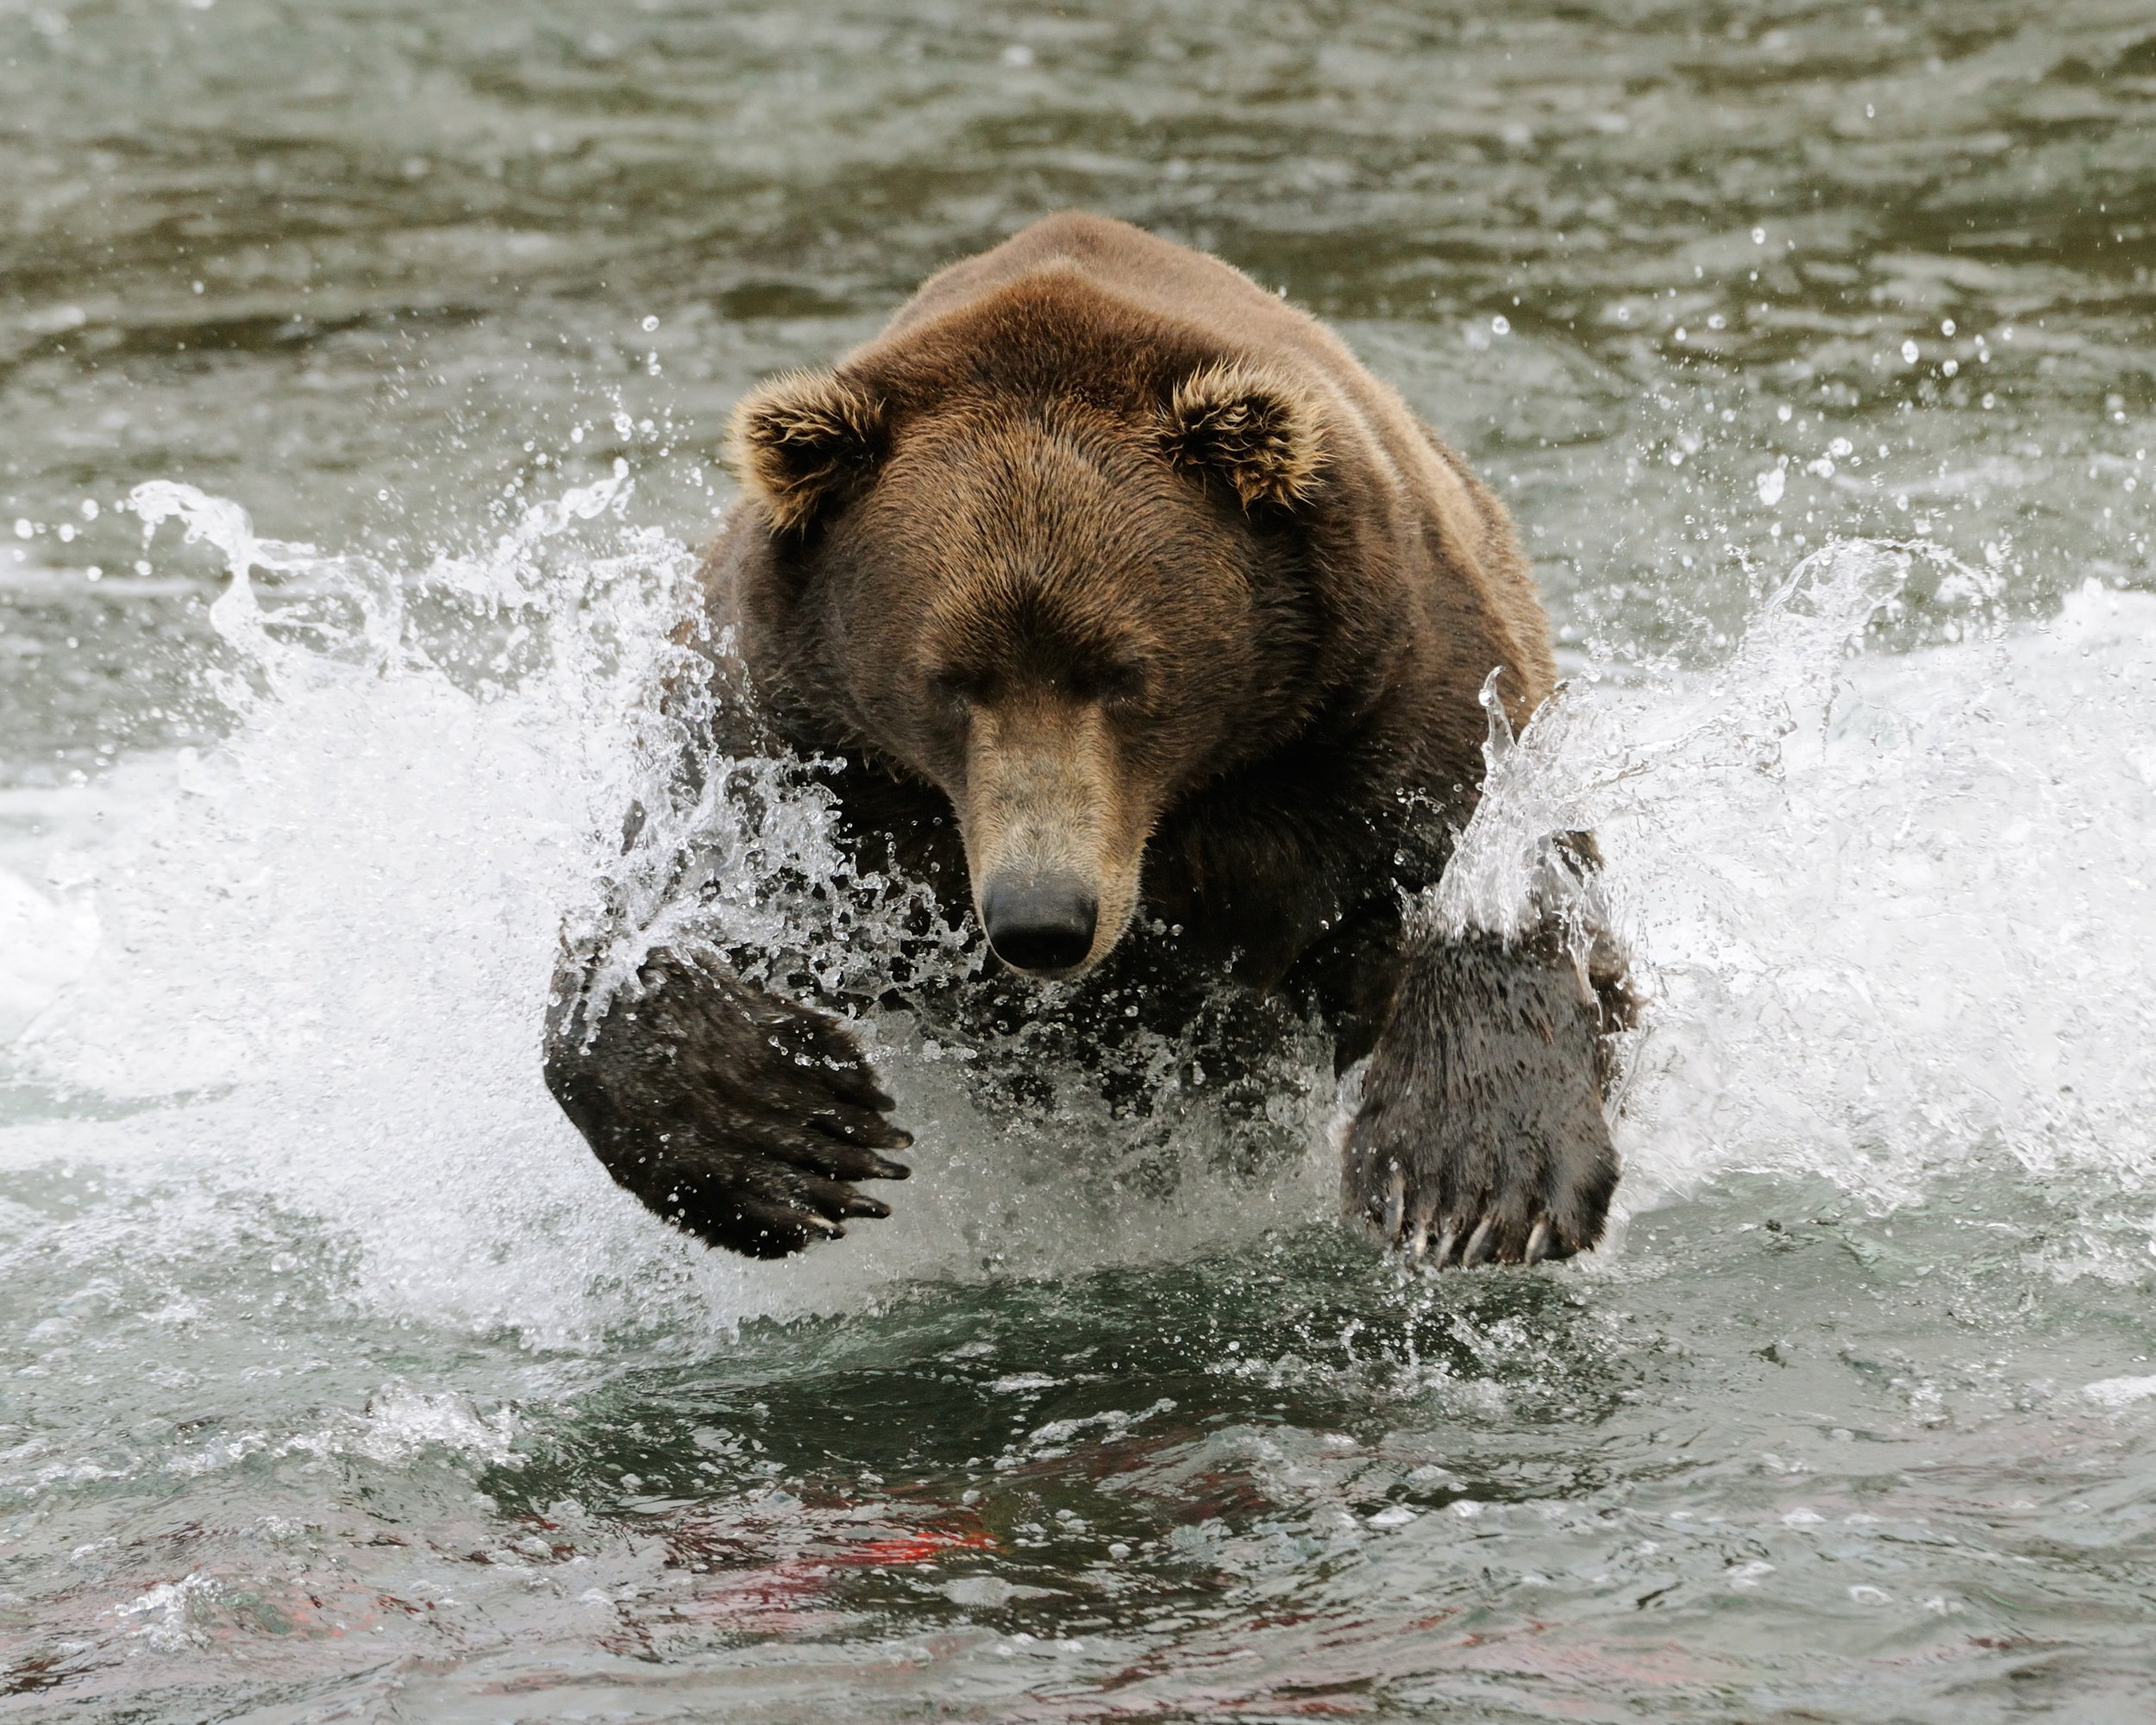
(1051, 336)
(1041, 523)
(1034, 478)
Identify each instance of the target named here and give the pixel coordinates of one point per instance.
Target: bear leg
(1481, 1136)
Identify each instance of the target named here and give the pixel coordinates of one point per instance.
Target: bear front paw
(1482, 1136)
(737, 1116)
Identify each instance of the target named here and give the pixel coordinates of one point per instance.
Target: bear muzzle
(1053, 843)
(1041, 923)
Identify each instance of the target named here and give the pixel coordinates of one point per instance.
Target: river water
(1810, 344)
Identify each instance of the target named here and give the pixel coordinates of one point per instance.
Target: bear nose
(1042, 923)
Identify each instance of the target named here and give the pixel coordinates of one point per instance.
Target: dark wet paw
(739, 1116)
(1481, 1138)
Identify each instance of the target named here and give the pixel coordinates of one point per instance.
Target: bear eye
(1117, 683)
(956, 688)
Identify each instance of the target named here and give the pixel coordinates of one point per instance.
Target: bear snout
(1041, 923)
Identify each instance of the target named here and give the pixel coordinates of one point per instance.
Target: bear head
(1060, 576)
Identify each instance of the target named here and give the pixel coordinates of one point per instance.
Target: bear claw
(1395, 1201)
(1452, 1248)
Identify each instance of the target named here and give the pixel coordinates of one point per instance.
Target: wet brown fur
(1124, 560)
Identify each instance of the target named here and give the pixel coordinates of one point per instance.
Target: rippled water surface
(1811, 345)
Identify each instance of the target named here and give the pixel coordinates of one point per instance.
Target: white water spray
(1896, 910)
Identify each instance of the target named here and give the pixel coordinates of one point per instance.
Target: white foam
(48, 920)
(400, 1422)
(1897, 909)
(332, 936)
(48, 940)
(2120, 1392)
(178, 1615)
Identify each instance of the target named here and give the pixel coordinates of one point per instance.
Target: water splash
(324, 943)
(1585, 758)
(1888, 907)
(324, 947)
(1888, 913)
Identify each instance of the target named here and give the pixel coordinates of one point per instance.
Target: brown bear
(1116, 585)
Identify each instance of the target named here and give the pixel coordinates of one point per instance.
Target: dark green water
(336, 1382)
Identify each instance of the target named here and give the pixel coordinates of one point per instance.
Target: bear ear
(799, 438)
(1260, 432)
